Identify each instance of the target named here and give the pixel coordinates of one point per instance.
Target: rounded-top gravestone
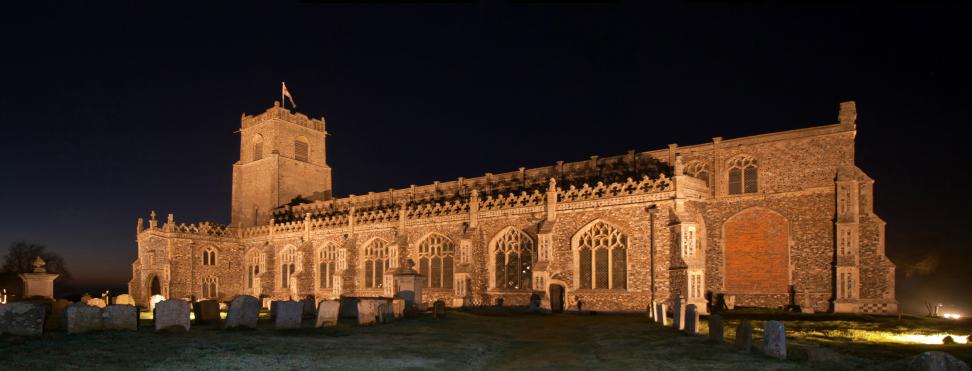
(244, 311)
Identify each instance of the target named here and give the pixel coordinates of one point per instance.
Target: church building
(763, 221)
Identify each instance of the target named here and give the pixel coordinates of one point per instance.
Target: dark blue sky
(110, 112)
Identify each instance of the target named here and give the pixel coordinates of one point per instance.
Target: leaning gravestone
(288, 315)
(206, 311)
(172, 315)
(660, 315)
(22, 319)
(244, 311)
(774, 339)
(367, 312)
(716, 328)
(97, 302)
(691, 320)
(398, 308)
(744, 336)
(83, 318)
(937, 361)
(327, 313)
(120, 317)
(124, 299)
(678, 321)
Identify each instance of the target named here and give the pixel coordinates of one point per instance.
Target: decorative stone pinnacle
(39, 265)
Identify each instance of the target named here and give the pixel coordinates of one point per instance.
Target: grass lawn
(461, 341)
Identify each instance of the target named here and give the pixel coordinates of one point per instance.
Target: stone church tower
(282, 156)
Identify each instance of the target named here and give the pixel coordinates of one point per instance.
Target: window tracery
(602, 257)
(513, 257)
(326, 260)
(743, 175)
(436, 260)
(375, 263)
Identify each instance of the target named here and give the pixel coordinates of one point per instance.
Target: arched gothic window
(288, 265)
(326, 260)
(743, 175)
(375, 263)
(209, 256)
(301, 149)
(209, 288)
(699, 170)
(252, 262)
(513, 257)
(436, 260)
(257, 147)
(602, 257)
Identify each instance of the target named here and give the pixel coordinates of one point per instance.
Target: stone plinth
(408, 286)
(38, 284)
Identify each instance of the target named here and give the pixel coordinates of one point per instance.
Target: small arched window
(301, 149)
(436, 260)
(209, 288)
(743, 175)
(375, 262)
(257, 147)
(288, 265)
(699, 170)
(326, 260)
(209, 256)
(602, 257)
(513, 258)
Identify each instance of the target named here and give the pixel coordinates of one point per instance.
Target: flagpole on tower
(282, 101)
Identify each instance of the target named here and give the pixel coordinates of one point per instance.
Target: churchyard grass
(469, 341)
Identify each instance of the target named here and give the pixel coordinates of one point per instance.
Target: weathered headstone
(120, 317)
(438, 309)
(678, 321)
(22, 318)
(289, 314)
(651, 310)
(774, 339)
(806, 304)
(56, 319)
(83, 318)
(367, 312)
(327, 313)
(124, 299)
(244, 311)
(273, 308)
(716, 328)
(691, 319)
(155, 299)
(206, 311)
(937, 361)
(720, 303)
(731, 302)
(398, 307)
(97, 302)
(309, 307)
(172, 315)
(660, 315)
(384, 311)
(744, 336)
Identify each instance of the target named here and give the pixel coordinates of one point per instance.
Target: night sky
(108, 113)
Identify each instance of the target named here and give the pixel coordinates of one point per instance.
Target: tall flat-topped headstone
(120, 317)
(327, 313)
(774, 339)
(288, 314)
(398, 307)
(438, 309)
(651, 310)
(244, 311)
(691, 319)
(716, 328)
(206, 311)
(678, 321)
(172, 315)
(660, 315)
(26, 319)
(83, 318)
(744, 336)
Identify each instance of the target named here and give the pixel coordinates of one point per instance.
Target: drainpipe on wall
(651, 243)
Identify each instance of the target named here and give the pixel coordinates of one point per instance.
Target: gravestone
(308, 306)
(651, 310)
(534, 302)
(691, 319)
(731, 302)
(155, 299)
(244, 311)
(367, 312)
(774, 339)
(85, 298)
(398, 307)
(206, 311)
(937, 361)
(124, 299)
(660, 316)
(384, 313)
(22, 319)
(83, 318)
(289, 314)
(716, 328)
(56, 319)
(806, 305)
(438, 309)
(172, 315)
(97, 302)
(720, 303)
(678, 321)
(744, 336)
(327, 313)
(273, 309)
(120, 317)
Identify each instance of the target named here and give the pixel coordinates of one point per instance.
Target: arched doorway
(155, 288)
(757, 253)
(556, 298)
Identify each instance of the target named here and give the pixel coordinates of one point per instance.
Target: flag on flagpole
(285, 93)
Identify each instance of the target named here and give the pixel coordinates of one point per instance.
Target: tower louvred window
(301, 150)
